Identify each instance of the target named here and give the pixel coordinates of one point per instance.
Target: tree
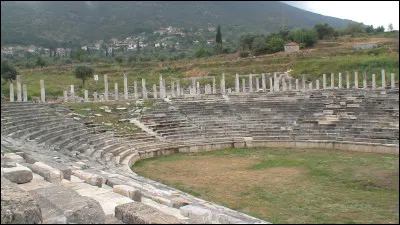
(83, 72)
(8, 71)
(246, 41)
(390, 27)
(218, 37)
(306, 38)
(380, 29)
(324, 31)
(40, 61)
(258, 45)
(354, 28)
(369, 29)
(275, 44)
(218, 40)
(119, 59)
(112, 52)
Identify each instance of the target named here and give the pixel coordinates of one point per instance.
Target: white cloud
(376, 13)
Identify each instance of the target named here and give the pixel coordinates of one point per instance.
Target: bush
(202, 52)
(244, 54)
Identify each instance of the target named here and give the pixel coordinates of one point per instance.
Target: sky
(376, 13)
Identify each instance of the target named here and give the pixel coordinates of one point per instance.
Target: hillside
(71, 22)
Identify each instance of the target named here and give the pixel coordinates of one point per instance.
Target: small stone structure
(292, 47)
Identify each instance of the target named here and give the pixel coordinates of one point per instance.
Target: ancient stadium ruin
(59, 168)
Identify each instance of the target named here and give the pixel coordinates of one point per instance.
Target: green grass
(284, 185)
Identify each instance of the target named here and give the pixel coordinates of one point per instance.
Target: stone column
(106, 87)
(373, 81)
(214, 90)
(263, 84)
(178, 88)
(340, 80)
(347, 80)
(86, 96)
(271, 85)
(116, 91)
(257, 84)
(101, 98)
(284, 88)
(323, 81)
(364, 80)
(244, 85)
(237, 90)
(194, 84)
(276, 82)
(65, 96)
(355, 79)
(310, 86)
(332, 80)
(11, 92)
(162, 87)
(154, 91)
(297, 84)
(392, 82)
(198, 91)
(250, 83)
(144, 90)
(25, 92)
(173, 89)
(383, 79)
(42, 92)
(19, 91)
(229, 91)
(73, 92)
(317, 84)
(125, 87)
(290, 84)
(223, 84)
(95, 96)
(135, 90)
(303, 81)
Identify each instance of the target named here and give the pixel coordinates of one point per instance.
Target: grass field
(283, 185)
(326, 57)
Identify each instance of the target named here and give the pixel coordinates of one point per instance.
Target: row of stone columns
(195, 88)
(373, 80)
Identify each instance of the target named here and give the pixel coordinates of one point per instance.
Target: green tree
(40, 61)
(369, 29)
(8, 71)
(218, 40)
(275, 44)
(380, 29)
(324, 31)
(202, 52)
(119, 59)
(258, 45)
(354, 28)
(218, 37)
(83, 72)
(246, 41)
(306, 38)
(112, 52)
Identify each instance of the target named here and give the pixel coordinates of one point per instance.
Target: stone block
(197, 213)
(47, 172)
(14, 157)
(67, 202)
(89, 178)
(17, 206)
(139, 213)
(129, 192)
(19, 174)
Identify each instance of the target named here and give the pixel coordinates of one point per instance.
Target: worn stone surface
(89, 178)
(139, 213)
(47, 172)
(17, 206)
(75, 208)
(19, 174)
(128, 191)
